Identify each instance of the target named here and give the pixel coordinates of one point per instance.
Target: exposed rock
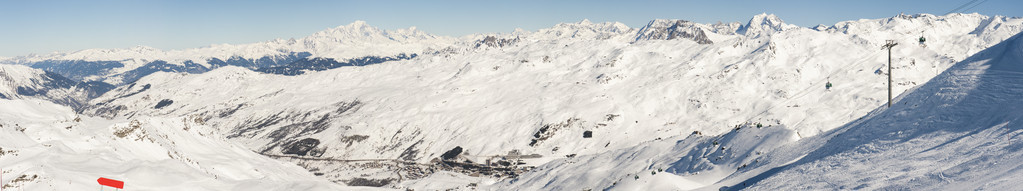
(451, 154)
(673, 29)
(493, 41)
(301, 147)
(764, 24)
(547, 131)
(163, 103)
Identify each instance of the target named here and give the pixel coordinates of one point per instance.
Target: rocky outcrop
(673, 29)
(764, 24)
(492, 41)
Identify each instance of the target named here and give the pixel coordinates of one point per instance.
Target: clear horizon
(66, 26)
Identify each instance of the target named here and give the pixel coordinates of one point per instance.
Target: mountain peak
(358, 24)
(821, 27)
(585, 29)
(143, 48)
(667, 22)
(764, 19)
(763, 22)
(353, 30)
(667, 29)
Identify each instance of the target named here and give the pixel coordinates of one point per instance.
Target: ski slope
(959, 131)
(46, 146)
(570, 78)
(672, 105)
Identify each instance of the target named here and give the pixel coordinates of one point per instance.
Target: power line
(957, 9)
(975, 5)
(961, 6)
(814, 84)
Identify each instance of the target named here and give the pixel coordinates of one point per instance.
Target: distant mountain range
(350, 45)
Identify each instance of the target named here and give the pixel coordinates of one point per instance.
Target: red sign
(111, 183)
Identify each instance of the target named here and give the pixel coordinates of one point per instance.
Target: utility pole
(889, 44)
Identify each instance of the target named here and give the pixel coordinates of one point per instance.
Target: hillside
(959, 131)
(44, 146)
(671, 105)
(357, 43)
(17, 82)
(539, 92)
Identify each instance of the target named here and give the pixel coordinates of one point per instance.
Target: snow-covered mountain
(18, 82)
(959, 131)
(357, 39)
(590, 105)
(583, 30)
(344, 43)
(764, 24)
(672, 29)
(45, 146)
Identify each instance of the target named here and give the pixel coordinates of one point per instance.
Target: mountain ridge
(359, 40)
(346, 33)
(540, 95)
(577, 97)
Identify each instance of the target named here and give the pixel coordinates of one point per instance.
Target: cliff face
(673, 29)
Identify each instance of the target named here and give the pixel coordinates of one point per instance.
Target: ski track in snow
(55, 149)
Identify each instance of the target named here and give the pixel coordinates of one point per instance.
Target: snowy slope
(17, 82)
(959, 131)
(663, 29)
(347, 41)
(539, 93)
(675, 163)
(48, 147)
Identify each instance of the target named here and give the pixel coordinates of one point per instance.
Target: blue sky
(45, 26)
